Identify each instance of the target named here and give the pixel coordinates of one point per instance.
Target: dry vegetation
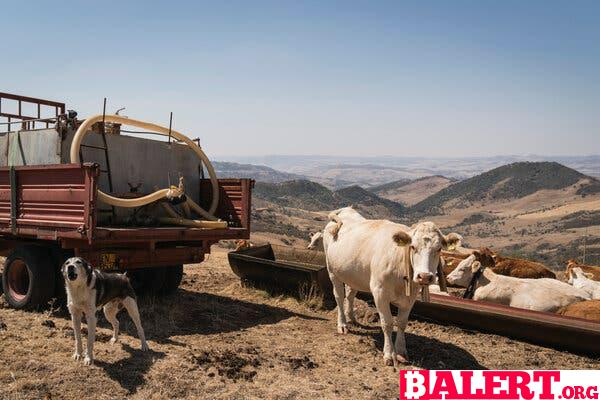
(217, 339)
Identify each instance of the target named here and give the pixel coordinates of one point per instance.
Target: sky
(371, 78)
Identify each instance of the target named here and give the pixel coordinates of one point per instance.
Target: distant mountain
(368, 203)
(410, 192)
(300, 193)
(257, 172)
(312, 196)
(508, 182)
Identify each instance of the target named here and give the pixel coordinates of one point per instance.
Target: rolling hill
(312, 196)
(257, 172)
(410, 192)
(510, 181)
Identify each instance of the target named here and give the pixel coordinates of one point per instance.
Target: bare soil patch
(215, 338)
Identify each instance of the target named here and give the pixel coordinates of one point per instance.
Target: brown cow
(508, 266)
(588, 269)
(589, 309)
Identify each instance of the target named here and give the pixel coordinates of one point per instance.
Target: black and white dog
(88, 290)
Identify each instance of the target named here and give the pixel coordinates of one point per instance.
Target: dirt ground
(217, 339)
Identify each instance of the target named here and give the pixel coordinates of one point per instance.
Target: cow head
(463, 273)
(577, 273)
(316, 240)
(426, 243)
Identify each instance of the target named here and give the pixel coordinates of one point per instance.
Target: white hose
(141, 201)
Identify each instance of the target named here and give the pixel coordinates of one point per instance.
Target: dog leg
(132, 308)
(90, 317)
(110, 312)
(76, 320)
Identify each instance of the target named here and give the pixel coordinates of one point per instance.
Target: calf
(581, 280)
(507, 266)
(544, 294)
(590, 269)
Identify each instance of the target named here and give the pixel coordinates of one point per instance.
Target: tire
(173, 277)
(147, 281)
(28, 277)
(154, 279)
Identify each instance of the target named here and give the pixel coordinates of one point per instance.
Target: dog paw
(113, 340)
(145, 346)
(88, 360)
(76, 356)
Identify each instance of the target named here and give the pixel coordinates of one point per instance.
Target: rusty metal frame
(28, 121)
(58, 203)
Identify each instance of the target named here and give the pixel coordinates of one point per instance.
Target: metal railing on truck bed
(27, 112)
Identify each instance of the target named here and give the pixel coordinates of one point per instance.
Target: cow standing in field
(544, 294)
(392, 261)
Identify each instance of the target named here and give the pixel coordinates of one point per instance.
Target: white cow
(544, 294)
(581, 280)
(374, 256)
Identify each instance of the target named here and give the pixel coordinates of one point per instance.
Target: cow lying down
(544, 294)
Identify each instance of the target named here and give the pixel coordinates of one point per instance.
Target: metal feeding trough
(292, 269)
(285, 269)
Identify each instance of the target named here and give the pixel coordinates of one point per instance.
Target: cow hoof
(401, 359)
(388, 360)
(351, 319)
(342, 329)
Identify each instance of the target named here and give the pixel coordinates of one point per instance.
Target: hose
(164, 193)
(194, 223)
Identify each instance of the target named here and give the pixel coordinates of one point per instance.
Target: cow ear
(402, 238)
(476, 266)
(452, 240)
(335, 229)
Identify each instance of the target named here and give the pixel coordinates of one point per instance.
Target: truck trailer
(59, 199)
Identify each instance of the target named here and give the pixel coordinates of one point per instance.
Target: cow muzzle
(425, 278)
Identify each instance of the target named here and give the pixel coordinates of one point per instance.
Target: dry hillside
(216, 339)
(411, 192)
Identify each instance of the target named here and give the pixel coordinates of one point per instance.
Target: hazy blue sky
(460, 78)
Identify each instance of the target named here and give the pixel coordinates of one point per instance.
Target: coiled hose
(160, 194)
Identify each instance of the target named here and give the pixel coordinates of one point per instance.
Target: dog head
(76, 270)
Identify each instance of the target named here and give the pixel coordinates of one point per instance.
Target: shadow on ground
(429, 353)
(130, 372)
(191, 313)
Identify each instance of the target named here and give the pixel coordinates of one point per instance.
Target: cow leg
(401, 353)
(387, 326)
(350, 310)
(338, 293)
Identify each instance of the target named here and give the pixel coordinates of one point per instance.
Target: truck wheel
(154, 279)
(28, 277)
(147, 281)
(173, 276)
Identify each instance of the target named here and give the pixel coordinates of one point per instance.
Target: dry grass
(217, 339)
